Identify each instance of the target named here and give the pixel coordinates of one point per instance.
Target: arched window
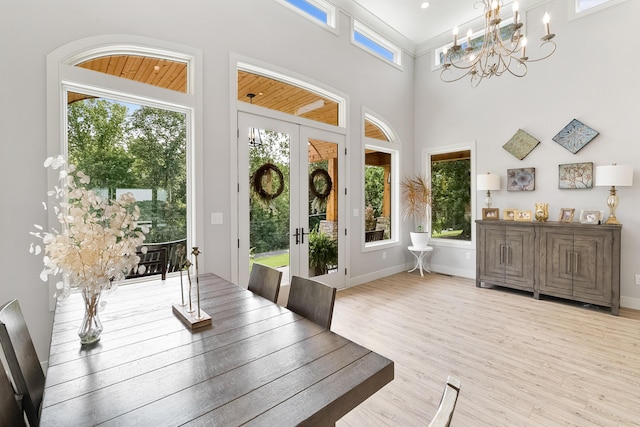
(381, 154)
(125, 111)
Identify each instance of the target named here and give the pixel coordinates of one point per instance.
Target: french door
(291, 197)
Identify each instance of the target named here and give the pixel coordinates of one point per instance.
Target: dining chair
(312, 299)
(447, 403)
(10, 412)
(22, 359)
(265, 281)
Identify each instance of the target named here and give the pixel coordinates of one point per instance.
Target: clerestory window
(318, 11)
(367, 39)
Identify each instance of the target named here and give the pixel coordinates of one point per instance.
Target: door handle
(297, 235)
(302, 235)
(568, 261)
(576, 262)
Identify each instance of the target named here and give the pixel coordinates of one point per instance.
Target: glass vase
(91, 327)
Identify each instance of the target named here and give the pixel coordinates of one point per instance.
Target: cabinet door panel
(493, 264)
(556, 262)
(519, 256)
(591, 253)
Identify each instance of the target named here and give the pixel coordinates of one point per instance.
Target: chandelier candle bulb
(524, 48)
(455, 36)
(545, 20)
(469, 34)
(515, 8)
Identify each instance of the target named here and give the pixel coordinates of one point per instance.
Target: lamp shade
(488, 181)
(614, 175)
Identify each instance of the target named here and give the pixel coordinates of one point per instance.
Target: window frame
(393, 148)
(376, 38)
(332, 13)
(63, 75)
(575, 12)
(426, 162)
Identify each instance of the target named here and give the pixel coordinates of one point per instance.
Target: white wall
(592, 77)
(260, 29)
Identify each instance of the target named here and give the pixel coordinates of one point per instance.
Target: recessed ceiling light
(424, 5)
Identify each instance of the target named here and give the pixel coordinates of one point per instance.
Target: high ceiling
(420, 25)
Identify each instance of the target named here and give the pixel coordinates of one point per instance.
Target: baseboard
(378, 274)
(629, 302)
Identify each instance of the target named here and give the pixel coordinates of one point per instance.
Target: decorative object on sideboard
(509, 214)
(521, 144)
(523, 215)
(575, 175)
(521, 179)
(542, 212)
(614, 175)
(566, 214)
(488, 182)
(589, 217)
(497, 50)
(490, 213)
(575, 135)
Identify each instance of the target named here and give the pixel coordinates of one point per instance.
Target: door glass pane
(323, 207)
(126, 147)
(269, 207)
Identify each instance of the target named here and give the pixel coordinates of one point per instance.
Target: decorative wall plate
(575, 135)
(521, 144)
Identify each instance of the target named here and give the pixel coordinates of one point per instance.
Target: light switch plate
(216, 218)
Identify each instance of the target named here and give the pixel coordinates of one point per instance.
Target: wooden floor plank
(521, 361)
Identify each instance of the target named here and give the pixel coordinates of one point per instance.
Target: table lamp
(488, 181)
(614, 175)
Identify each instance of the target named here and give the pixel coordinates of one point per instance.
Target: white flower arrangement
(96, 245)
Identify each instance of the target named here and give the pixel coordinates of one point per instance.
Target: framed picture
(490, 213)
(566, 215)
(589, 217)
(575, 175)
(522, 179)
(523, 216)
(509, 214)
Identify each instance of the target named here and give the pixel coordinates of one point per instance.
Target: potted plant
(416, 195)
(323, 252)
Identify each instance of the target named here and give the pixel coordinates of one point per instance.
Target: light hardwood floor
(521, 361)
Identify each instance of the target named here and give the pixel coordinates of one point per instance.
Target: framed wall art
(522, 179)
(566, 215)
(575, 175)
(575, 135)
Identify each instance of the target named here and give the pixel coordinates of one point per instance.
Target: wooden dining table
(256, 364)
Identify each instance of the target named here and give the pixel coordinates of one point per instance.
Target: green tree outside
(144, 149)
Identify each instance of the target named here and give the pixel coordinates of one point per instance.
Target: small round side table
(421, 254)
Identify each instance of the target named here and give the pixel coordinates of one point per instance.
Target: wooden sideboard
(580, 262)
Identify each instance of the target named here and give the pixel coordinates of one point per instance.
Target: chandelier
(503, 48)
